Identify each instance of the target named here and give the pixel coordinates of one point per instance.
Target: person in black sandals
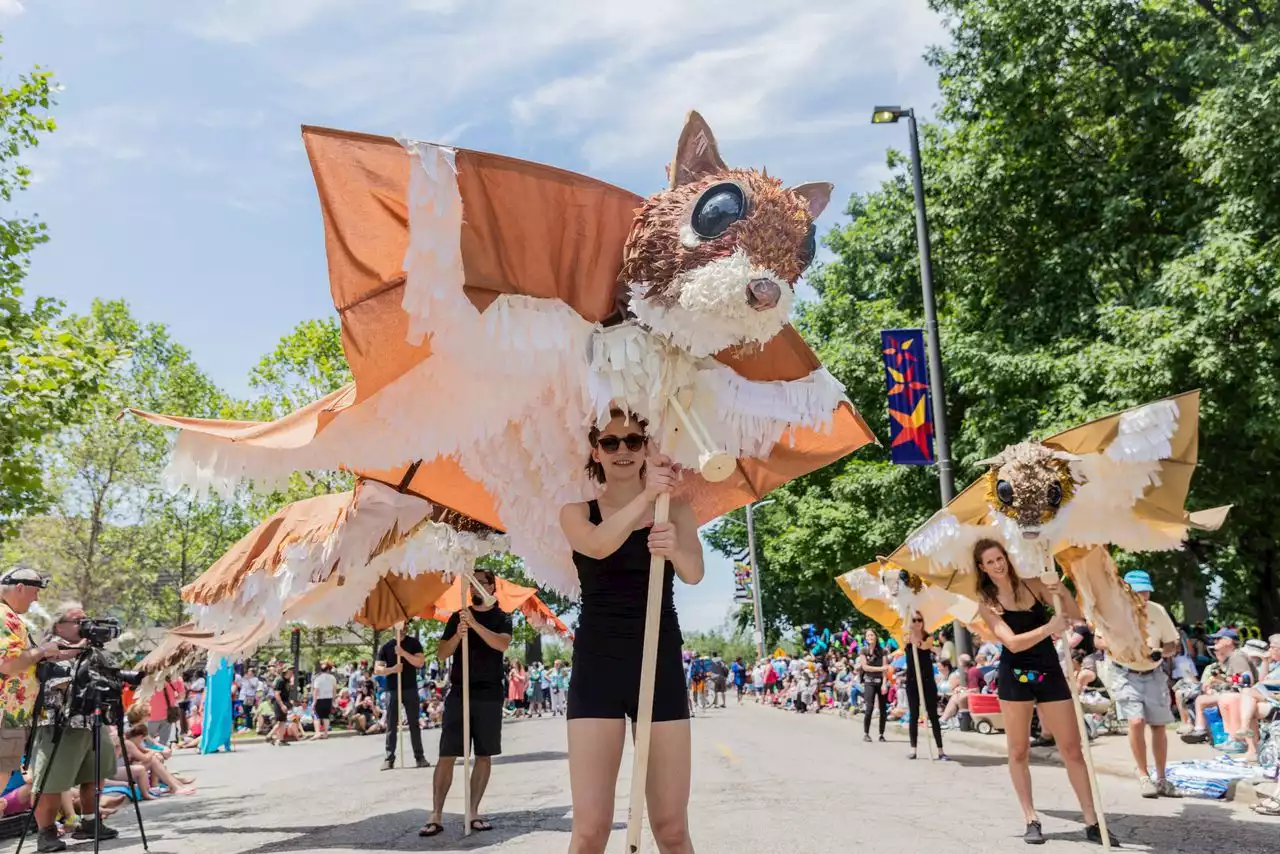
(398, 662)
(486, 629)
(1031, 678)
(921, 645)
(873, 664)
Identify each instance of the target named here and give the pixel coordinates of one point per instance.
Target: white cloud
(9, 8)
(253, 21)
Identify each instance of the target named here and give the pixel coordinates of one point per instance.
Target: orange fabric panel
(362, 181)
(309, 520)
(292, 431)
(442, 481)
(785, 356)
(537, 230)
(397, 599)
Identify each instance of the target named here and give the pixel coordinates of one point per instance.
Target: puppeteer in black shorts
(486, 674)
(609, 643)
(1033, 675)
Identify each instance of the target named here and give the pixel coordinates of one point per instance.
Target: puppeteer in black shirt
(387, 655)
(485, 661)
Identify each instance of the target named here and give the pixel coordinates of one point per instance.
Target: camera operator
(73, 762)
(19, 589)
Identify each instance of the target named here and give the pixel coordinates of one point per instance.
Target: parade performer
(920, 682)
(874, 667)
(398, 662)
(1030, 677)
(486, 629)
(613, 538)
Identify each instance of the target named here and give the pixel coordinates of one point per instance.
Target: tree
(113, 538)
(1102, 198)
(306, 365)
(47, 370)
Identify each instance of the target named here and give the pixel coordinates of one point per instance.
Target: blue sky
(177, 178)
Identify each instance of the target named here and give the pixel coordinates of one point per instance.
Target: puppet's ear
(696, 153)
(816, 194)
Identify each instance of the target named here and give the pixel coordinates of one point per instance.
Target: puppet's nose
(763, 294)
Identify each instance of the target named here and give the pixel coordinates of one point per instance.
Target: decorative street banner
(741, 582)
(906, 380)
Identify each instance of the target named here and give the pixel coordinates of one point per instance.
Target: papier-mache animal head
(1030, 483)
(712, 261)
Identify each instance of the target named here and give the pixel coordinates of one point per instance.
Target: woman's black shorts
(324, 709)
(1024, 685)
(606, 680)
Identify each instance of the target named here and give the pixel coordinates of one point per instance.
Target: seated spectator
(153, 764)
(1221, 680)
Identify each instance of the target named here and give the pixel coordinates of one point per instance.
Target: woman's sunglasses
(610, 444)
(917, 620)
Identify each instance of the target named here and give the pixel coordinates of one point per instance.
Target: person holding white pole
(921, 684)
(613, 539)
(486, 629)
(1031, 678)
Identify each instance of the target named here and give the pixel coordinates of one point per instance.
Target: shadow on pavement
(538, 756)
(969, 760)
(397, 832)
(1205, 822)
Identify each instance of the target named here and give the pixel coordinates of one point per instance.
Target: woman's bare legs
(1017, 735)
(1060, 717)
(595, 754)
(667, 789)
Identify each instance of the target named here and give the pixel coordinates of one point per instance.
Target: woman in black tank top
(613, 539)
(1030, 677)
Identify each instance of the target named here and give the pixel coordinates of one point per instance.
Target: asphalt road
(764, 781)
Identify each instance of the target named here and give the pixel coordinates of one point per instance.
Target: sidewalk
(1111, 756)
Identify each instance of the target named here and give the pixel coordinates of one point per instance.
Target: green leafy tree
(113, 538)
(47, 369)
(1102, 197)
(306, 365)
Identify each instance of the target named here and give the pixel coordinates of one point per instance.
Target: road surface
(764, 781)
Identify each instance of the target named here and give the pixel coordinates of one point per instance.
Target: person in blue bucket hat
(1141, 691)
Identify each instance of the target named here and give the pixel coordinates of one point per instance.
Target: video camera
(93, 680)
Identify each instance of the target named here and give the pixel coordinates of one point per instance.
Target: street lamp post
(755, 575)
(942, 441)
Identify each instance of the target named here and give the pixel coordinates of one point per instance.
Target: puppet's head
(712, 261)
(1030, 483)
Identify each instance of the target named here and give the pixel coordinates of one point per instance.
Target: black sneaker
(85, 831)
(1093, 833)
(883, 739)
(422, 763)
(1033, 834)
(48, 840)
(388, 765)
(867, 738)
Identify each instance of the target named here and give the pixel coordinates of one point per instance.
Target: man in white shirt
(1141, 691)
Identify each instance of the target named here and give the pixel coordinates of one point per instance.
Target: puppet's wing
(1135, 469)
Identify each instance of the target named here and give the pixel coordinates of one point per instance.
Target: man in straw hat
(1141, 691)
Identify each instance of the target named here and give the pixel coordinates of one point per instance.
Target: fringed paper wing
(878, 592)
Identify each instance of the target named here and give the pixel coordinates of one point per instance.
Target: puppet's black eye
(1004, 491)
(810, 247)
(1055, 495)
(718, 208)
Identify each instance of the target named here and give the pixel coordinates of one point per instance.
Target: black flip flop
(479, 825)
(431, 828)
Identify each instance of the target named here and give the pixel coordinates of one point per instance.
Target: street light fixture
(946, 476)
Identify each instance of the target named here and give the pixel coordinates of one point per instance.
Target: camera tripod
(37, 789)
